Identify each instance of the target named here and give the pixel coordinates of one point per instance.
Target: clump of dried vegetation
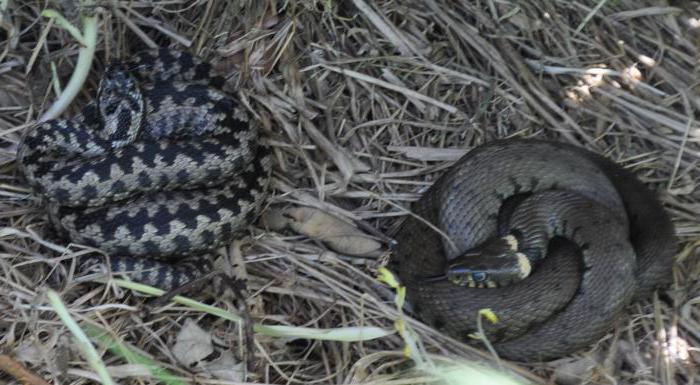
(364, 103)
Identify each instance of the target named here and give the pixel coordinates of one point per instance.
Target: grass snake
(595, 236)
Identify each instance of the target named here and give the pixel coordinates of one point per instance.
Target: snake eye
(479, 276)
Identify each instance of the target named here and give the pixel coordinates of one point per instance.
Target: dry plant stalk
(364, 104)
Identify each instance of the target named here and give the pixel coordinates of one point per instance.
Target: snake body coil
(606, 239)
(164, 164)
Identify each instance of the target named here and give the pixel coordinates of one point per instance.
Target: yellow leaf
(399, 325)
(400, 297)
(489, 315)
(386, 276)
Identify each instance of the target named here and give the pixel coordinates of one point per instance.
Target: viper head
(120, 104)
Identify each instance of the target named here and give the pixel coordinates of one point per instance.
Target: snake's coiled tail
(163, 164)
(595, 235)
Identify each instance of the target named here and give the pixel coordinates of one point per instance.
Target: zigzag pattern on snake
(164, 165)
(606, 238)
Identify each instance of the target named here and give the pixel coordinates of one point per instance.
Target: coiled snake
(606, 239)
(164, 165)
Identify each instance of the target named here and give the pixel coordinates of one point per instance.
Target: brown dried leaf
(339, 235)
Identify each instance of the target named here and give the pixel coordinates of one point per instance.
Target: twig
(19, 371)
(381, 83)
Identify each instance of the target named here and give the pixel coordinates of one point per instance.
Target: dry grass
(364, 104)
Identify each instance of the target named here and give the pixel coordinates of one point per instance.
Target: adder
(159, 171)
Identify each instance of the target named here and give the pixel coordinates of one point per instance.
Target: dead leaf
(573, 371)
(193, 344)
(339, 235)
(225, 367)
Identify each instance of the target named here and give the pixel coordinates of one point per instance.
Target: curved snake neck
(606, 238)
(164, 164)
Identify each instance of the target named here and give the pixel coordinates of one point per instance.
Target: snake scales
(163, 167)
(606, 238)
